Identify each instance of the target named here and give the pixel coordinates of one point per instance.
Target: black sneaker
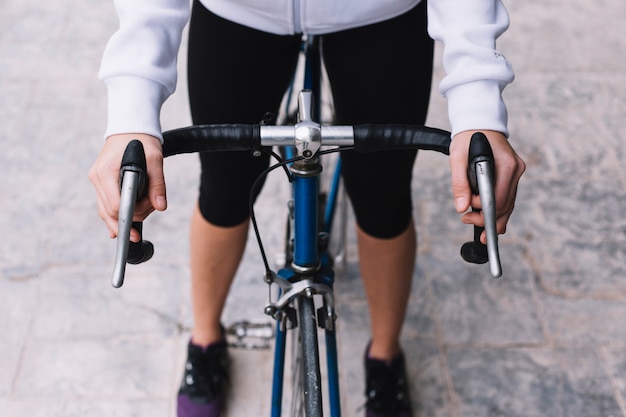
(386, 388)
(203, 389)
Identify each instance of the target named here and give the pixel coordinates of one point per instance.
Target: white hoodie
(139, 62)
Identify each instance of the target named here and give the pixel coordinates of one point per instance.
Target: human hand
(509, 168)
(104, 175)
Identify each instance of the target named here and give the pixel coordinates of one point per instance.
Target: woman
(242, 54)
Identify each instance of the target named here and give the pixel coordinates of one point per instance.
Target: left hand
(509, 168)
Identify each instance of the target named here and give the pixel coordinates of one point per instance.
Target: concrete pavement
(548, 339)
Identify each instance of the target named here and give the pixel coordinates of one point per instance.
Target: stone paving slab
(545, 340)
(475, 311)
(531, 382)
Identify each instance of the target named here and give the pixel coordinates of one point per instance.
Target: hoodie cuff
(134, 106)
(475, 106)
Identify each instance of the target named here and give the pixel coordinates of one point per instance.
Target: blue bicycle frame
(306, 244)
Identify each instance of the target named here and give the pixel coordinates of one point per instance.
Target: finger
(110, 222)
(501, 224)
(473, 217)
(156, 181)
(157, 192)
(134, 236)
(461, 191)
(105, 176)
(475, 202)
(476, 218)
(105, 211)
(143, 209)
(504, 187)
(506, 204)
(509, 169)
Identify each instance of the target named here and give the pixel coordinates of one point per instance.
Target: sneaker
(387, 388)
(203, 389)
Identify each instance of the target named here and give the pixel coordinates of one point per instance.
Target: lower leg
(387, 269)
(215, 255)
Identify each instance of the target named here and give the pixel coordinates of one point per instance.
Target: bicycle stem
(308, 133)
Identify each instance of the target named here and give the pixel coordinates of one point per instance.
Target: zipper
(297, 23)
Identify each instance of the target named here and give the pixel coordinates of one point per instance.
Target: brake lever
(134, 187)
(481, 175)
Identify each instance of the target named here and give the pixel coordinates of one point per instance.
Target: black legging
(379, 73)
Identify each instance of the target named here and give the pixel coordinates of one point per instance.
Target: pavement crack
(178, 325)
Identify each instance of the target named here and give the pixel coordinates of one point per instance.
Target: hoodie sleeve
(139, 63)
(476, 73)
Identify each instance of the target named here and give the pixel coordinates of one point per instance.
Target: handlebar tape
(367, 138)
(371, 138)
(226, 137)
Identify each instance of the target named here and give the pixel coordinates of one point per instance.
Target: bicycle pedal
(250, 335)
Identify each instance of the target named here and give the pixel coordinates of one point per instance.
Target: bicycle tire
(296, 408)
(306, 398)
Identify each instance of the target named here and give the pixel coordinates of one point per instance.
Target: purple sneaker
(387, 388)
(203, 389)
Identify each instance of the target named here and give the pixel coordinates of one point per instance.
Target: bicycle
(306, 280)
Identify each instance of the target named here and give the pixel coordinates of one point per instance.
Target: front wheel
(306, 400)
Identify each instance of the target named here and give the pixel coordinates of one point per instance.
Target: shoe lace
(386, 392)
(206, 374)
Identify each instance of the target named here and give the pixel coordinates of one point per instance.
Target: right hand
(104, 175)
(509, 169)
